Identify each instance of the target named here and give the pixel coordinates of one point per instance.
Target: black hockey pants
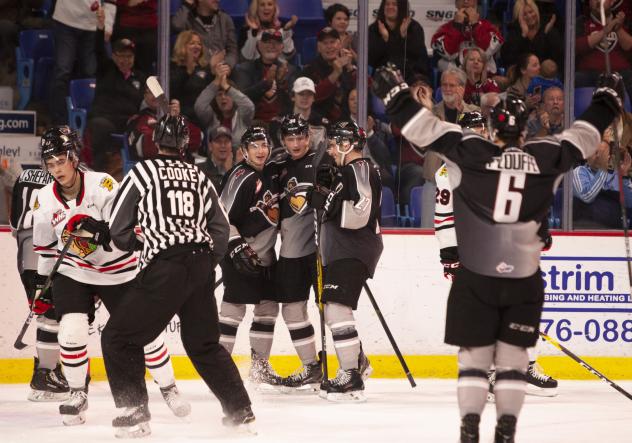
(179, 281)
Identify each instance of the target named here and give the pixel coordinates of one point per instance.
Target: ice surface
(584, 411)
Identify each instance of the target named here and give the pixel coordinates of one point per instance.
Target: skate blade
(541, 392)
(73, 420)
(138, 431)
(309, 389)
(367, 373)
(47, 396)
(265, 388)
(347, 397)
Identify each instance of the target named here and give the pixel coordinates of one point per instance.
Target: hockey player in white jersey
(538, 383)
(75, 207)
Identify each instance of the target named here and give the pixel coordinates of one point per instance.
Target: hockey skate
(505, 429)
(133, 422)
(538, 383)
(241, 420)
(306, 380)
(365, 366)
(48, 385)
(262, 376)
(179, 406)
(491, 377)
(73, 410)
(469, 428)
(347, 387)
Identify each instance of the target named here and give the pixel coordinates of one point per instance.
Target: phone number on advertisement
(592, 330)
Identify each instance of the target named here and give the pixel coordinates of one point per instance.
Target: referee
(185, 234)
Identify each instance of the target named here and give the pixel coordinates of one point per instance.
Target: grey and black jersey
(501, 196)
(251, 199)
(296, 177)
(355, 231)
(23, 202)
(174, 203)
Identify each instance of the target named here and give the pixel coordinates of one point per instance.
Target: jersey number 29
(509, 196)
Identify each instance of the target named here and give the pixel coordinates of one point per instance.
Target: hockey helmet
(253, 134)
(172, 132)
(509, 118)
(470, 120)
(294, 124)
(347, 130)
(59, 140)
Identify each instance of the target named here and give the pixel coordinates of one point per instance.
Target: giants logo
(269, 207)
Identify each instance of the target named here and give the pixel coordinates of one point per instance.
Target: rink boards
(588, 310)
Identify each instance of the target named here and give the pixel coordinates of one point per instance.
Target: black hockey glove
(100, 232)
(610, 91)
(43, 301)
(389, 85)
(449, 268)
(243, 257)
(325, 175)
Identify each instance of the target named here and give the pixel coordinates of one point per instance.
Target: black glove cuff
(402, 109)
(599, 114)
(450, 253)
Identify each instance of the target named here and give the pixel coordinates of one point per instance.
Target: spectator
(596, 189)
(74, 28)
(528, 34)
(546, 79)
(478, 82)
(267, 80)
(337, 16)
(488, 101)
(376, 147)
(211, 23)
(303, 94)
(549, 119)
(465, 31)
(220, 158)
(137, 20)
(593, 40)
(397, 38)
(520, 76)
(189, 73)
(222, 104)
(334, 74)
(453, 82)
(118, 95)
(262, 15)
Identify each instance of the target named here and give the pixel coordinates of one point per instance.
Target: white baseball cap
(303, 84)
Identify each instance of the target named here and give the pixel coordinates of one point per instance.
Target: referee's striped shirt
(174, 203)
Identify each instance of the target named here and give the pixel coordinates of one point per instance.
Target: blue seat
(237, 10)
(174, 5)
(79, 102)
(415, 205)
(377, 108)
(389, 213)
(437, 97)
(126, 156)
(34, 56)
(555, 215)
(311, 18)
(309, 50)
(583, 96)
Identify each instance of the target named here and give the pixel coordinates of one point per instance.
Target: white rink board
(412, 293)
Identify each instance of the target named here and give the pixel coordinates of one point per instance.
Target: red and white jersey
(444, 214)
(85, 261)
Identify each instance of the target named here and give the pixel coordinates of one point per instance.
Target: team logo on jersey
(36, 204)
(107, 183)
(443, 172)
(269, 207)
(297, 198)
(58, 217)
(80, 246)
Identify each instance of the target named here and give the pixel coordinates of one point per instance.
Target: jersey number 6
(509, 196)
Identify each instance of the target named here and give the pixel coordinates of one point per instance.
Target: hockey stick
(156, 90)
(400, 357)
(321, 307)
(586, 365)
(19, 344)
(618, 161)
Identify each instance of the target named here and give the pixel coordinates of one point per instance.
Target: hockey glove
(325, 175)
(389, 85)
(610, 91)
(243, 257)
(320, 197)
(449, 268)
(38, 302)
(100, 232)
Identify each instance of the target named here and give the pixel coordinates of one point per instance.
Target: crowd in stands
(225, 78)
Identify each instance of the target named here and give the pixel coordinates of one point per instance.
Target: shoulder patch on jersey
(58, 217)
(443, 172)
(36, 205)
(258, 186)
(107, 183)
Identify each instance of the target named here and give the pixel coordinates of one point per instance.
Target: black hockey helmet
(473, 119)
(509, 118)
(294, 124)
(347, 130)
(58, 141)
(254, 133)
(172, 132)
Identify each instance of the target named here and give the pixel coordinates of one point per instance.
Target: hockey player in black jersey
(251, 198)
(503, 189)
(48, 382)
(350, 245)
(185, 234)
